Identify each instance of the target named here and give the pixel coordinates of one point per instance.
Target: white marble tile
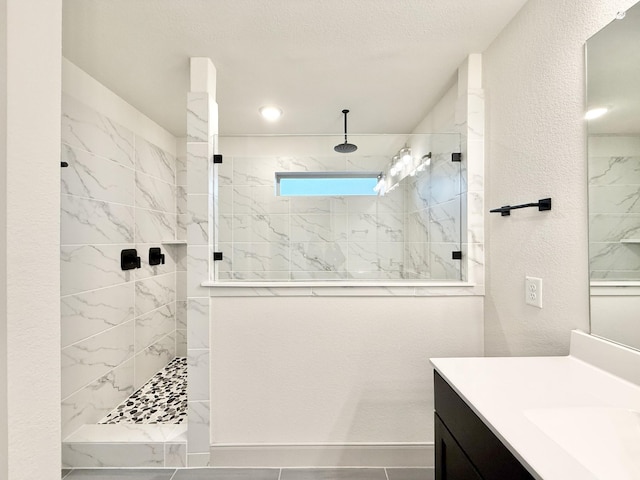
(366, 163)
(154, 292)
(197, 374)
(258, 228)
(316, 163)
(474, 217)
(95, 177)
(198, 261)
(175, 455)
(613, 256)
(442, 266)
(199, 161)
(614, 199)
(180, 257)
(475, 114)
(417, 258)
(84, 128)
(152, 326)
(613, 227)
(91, 403)
(362, 227)
(198, 427)
(153, 226)
(85, 314)
(198, 106)
(181, 226)
(390, 227)
(152, 359)
(225, 204)
(181, 169)
(88, 267)
(318, 228)
(261, 256)
(417, 227)
(181, 314)
(84, 221)
(96, 455)
(181, 199)
(198, 326)
(225, 171)
(85, 361)
(258, 200)
(444, 222)
(474, 166)
(198, 226)
(473, 263)
(181, 286)
(226, 231)
(319, 256)
(155, 194)
(614, 170)
(128, 432)
(181, 343)
(257, 171)
(375, 256)
(198, 460)
(322, 205)
(154, 161)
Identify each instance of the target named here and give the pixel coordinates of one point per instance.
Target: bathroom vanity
(549, 418)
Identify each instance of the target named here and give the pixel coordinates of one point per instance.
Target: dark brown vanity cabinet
(465, 447)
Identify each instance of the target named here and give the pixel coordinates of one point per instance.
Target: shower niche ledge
(343, 288)
(126, 445)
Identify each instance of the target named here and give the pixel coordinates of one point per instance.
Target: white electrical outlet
(533, 291)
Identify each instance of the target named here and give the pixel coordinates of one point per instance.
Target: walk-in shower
(411, 230)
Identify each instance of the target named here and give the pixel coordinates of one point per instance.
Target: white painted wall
(333, 370)
(30, 142)
(536, 148)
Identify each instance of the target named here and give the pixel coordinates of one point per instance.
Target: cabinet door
(451, 461)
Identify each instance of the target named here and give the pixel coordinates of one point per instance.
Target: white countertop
(564, 418)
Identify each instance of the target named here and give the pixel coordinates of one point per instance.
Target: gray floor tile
(227, 474)
(121, 474)
(333, 474)
(411, 473)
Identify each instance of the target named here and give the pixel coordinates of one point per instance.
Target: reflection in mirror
(613, 114)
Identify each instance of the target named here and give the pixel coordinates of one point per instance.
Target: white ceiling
(386, 60)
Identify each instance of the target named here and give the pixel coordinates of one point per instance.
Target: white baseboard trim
(323, 455)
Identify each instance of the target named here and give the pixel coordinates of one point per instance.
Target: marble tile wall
(614, 207)
(118, 327)
(265, 237)
(433, 216)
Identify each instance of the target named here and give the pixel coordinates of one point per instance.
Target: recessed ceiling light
(270, 112)
(595, 113)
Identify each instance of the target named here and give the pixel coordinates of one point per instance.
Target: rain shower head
(345, 147)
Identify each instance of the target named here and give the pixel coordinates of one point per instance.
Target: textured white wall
(536, 148)
(30, 419)
(333, 369)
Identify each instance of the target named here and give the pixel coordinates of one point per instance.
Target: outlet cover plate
(533, 291)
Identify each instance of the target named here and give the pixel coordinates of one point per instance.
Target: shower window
(408, 233)
(327, 184)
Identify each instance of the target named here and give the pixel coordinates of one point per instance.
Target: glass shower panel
(408, 231)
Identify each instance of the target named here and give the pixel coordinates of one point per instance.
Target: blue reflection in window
(327, 186)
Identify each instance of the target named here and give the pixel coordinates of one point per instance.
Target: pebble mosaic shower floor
(163, 399)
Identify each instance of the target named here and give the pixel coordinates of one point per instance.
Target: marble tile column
(202, 130)
(470, 124)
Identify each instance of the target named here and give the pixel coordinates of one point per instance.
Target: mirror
(613, 79)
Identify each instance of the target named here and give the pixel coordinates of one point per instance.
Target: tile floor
(252, 474)
(163, 399)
